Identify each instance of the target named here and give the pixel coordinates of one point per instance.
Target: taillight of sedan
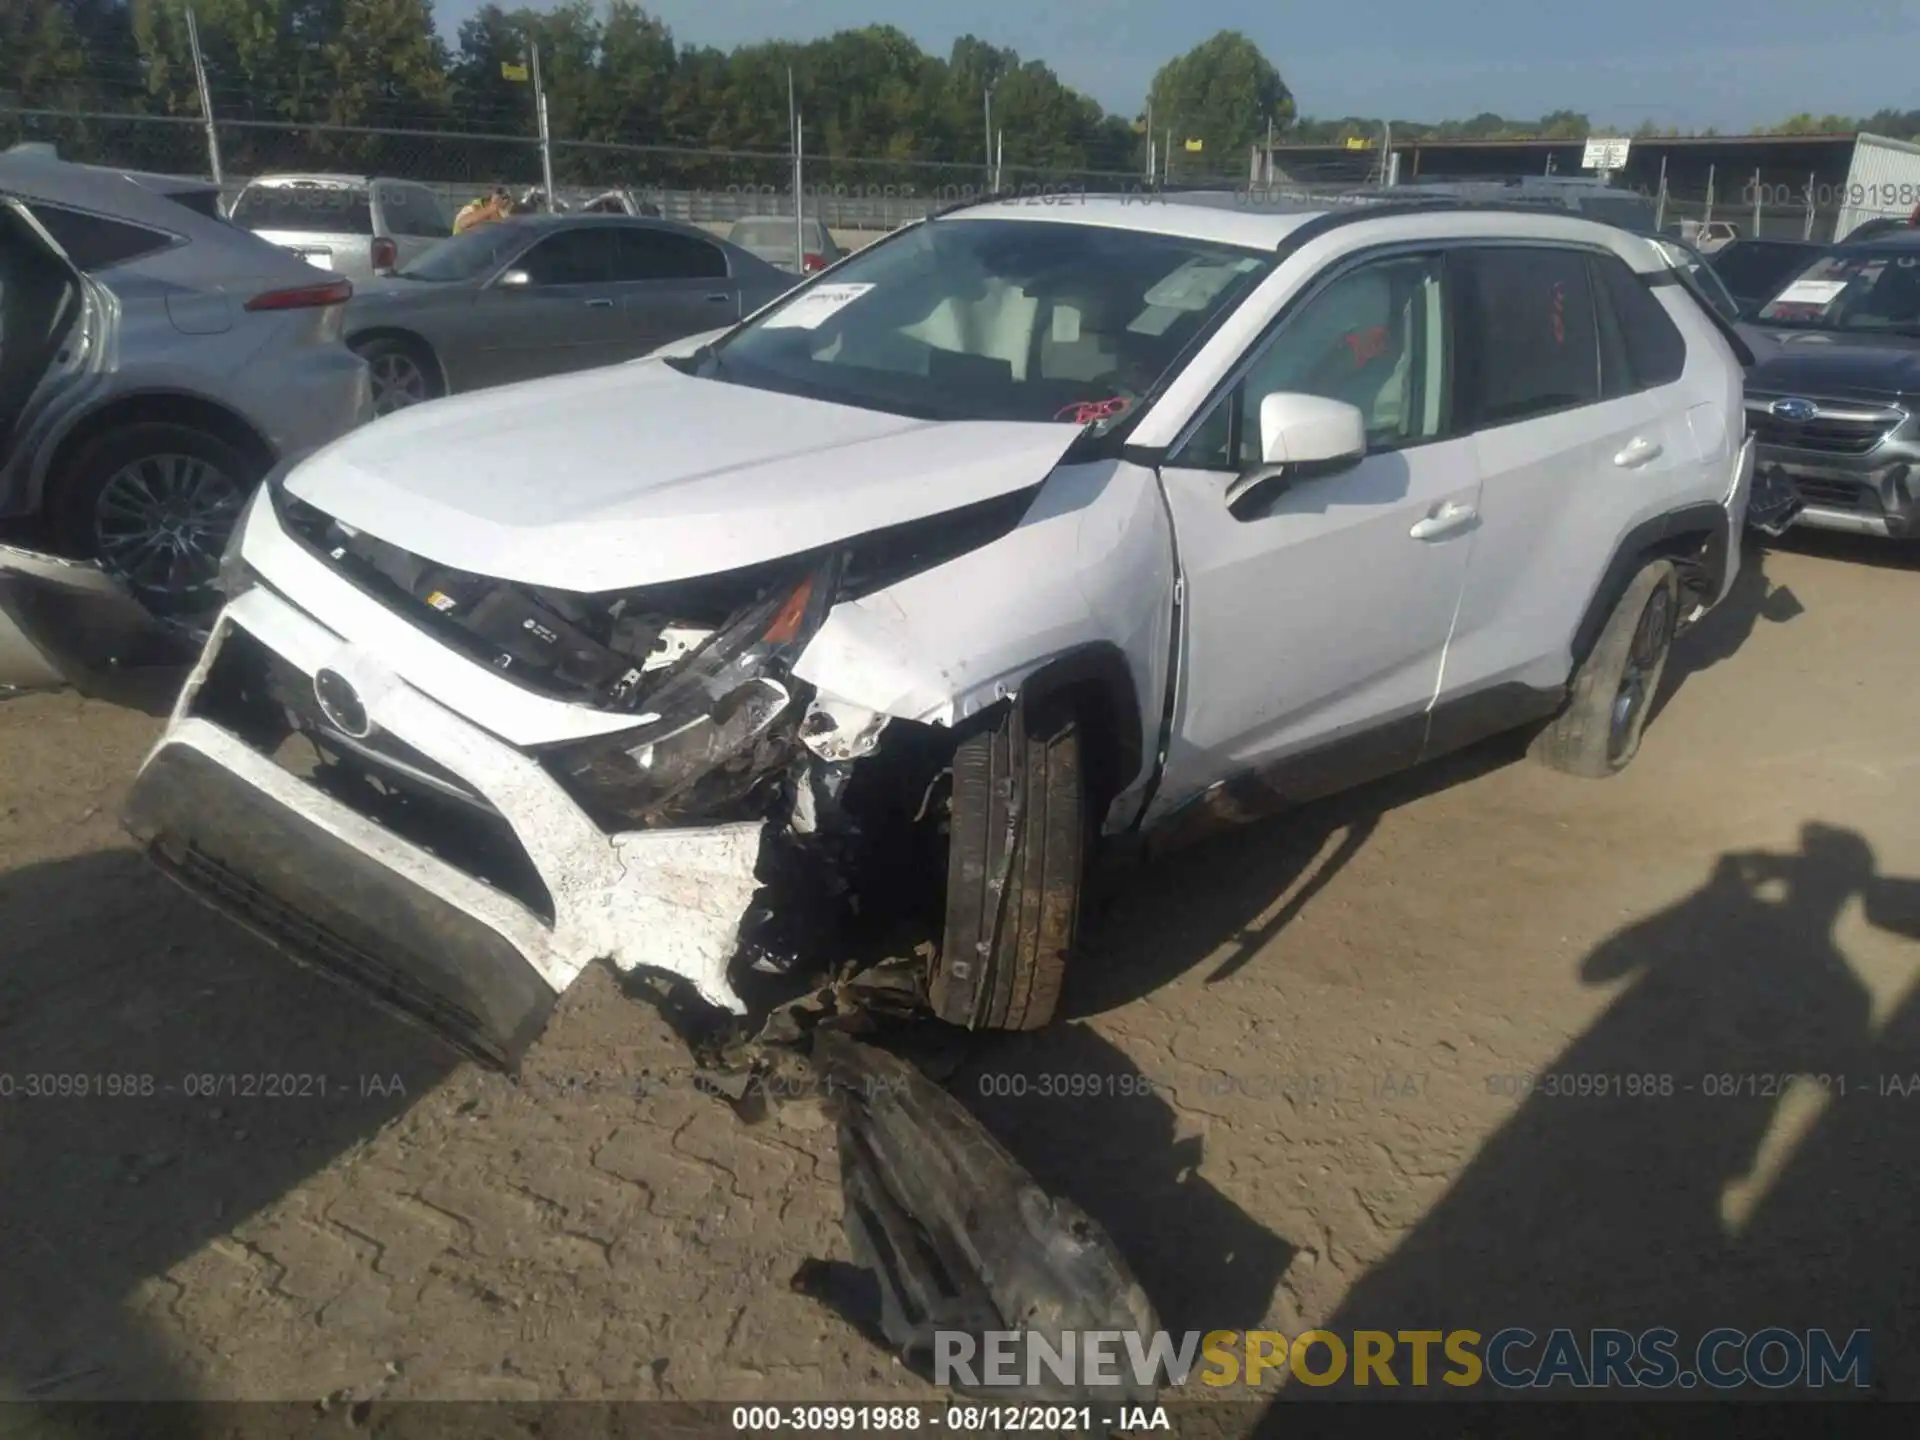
(386, 254)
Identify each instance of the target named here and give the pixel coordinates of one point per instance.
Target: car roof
(130, 195)
(1904, 239)
(310, 178)
(1234, 218)
(216, 247)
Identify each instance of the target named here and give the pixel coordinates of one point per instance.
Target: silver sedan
(545, 294)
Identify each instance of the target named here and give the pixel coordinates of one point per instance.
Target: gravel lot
(1336, 1009)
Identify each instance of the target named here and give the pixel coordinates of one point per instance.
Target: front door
(566, 316)
(1322, 614)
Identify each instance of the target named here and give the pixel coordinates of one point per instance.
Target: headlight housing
(707, 736)
(234, 577)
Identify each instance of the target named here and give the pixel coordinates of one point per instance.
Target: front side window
(479, 252)
(1527, 341)
(1868, 290)
(1374, 337)
(572, 257)
(994, 319)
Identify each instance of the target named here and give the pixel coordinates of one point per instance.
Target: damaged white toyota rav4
(1026, 529)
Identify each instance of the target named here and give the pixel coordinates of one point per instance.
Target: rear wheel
(1598, 733)
(403, 372)
(1015, 863)
(155, 504)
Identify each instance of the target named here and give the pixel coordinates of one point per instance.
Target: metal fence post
(1806, 232)
(546, 138)
(1707, 219)
(1660, 203)
(206, 96)
(1756, 204)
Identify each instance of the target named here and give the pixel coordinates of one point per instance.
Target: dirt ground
(1339, 1012)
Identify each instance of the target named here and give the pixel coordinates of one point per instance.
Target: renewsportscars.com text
(1511, 1359)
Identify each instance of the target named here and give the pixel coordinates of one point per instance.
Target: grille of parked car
(1839, 495)
(1849, 434)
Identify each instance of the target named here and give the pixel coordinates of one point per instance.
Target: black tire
(1598, 733)
(1015, 862)
(89, 523)
(390, 357)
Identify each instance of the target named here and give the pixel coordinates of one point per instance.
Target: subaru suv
(1026, 532)
(1834, 394)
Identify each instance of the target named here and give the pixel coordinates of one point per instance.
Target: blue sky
(1709, 62)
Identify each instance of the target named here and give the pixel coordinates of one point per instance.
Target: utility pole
(206, 96)
(799, 192)
(540, 114)
(999, 158)
(986, 102)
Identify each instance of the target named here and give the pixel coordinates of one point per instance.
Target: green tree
(1223, 93)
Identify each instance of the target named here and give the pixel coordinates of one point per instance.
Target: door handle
(1444, 522)
(720, 299)
(1638, 452)
(600, 304)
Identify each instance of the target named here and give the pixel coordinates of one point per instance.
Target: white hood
(637, 475)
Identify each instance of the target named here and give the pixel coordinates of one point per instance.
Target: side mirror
(514, 280)
(1302, 435)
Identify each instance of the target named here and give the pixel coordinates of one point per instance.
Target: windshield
(968, 319)
(1758, 268)
(1694, 268)
(479, 252)
(305, 207)
(1870, 291)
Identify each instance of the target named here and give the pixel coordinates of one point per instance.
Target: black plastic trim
(1642, 543)
(1102, 666)
(332, 908)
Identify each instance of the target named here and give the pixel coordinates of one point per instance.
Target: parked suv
(1028, 530)
(154, 364)
(1834, 395)
(348, 224)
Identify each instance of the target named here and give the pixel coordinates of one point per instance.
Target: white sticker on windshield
(1810, 292)
(1066, 325)
(815, 308)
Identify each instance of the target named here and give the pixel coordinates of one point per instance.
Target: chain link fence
(858, 197)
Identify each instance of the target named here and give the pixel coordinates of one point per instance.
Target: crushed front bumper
(469, 910)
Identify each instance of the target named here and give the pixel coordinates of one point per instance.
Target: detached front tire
(1015, 862)
(1598, 733)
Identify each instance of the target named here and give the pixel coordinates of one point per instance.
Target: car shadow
(1723, 630)
(1088, 1125)
(167, 1076)
(1147, 924)
(1667, 1170)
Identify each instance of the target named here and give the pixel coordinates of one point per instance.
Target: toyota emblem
(341, 704)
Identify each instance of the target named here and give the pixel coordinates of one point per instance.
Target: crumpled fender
(1090, 565)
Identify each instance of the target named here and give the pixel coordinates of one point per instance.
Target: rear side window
(1640, 347)
(305, 209)
(648, 254)
(1527, 344)
(93, 242)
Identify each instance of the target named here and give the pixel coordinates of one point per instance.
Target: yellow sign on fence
(510, 71)
(1195, 146)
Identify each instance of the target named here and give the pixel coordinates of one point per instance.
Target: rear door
(1575, 447)
(566, 316)
(671, 284)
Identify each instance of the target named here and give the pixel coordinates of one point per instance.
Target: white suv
(1026, 528)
